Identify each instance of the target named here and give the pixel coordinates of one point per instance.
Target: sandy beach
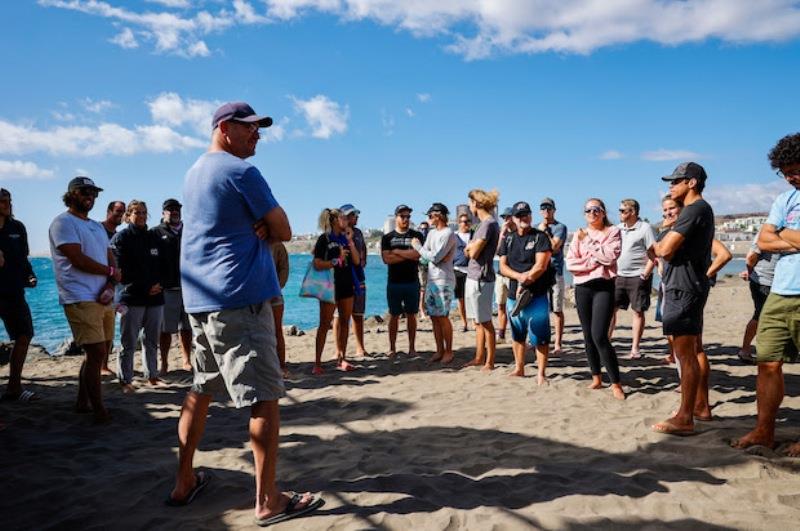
(403, 445)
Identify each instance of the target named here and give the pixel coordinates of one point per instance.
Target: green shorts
(779, 328)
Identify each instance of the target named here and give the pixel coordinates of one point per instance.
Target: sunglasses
(676, 182)
(252, 127)
(404, 216)
(594, 210)
(545, 207)
(624, 210)
(463, 221)
(88, 192)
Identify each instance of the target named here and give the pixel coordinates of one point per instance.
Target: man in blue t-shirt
(778, 336)
(228, 278)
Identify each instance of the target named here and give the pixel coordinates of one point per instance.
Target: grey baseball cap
(506, 213)
(687, 170)
(402, 208)
(82, 182)
(239, 111)
(547, 202)
(348, 209)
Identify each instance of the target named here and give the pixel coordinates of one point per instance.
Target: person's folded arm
(474, 248)
(607, 251)
(539, 267)
(792, 237)
(274, 226)
(770, 241)
(668, 245)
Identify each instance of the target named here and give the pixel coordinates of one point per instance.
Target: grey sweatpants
(135, 319)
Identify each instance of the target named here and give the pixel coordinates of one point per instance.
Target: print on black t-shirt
(520, 253)
(405, 271)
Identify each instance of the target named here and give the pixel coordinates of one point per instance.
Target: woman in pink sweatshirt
(592, 260)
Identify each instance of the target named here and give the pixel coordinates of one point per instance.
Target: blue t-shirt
(223, 263)
(785, 214)
(558, 230)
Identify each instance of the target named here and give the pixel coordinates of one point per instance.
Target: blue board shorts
(403, 298)
(438, 299)
(532, 323)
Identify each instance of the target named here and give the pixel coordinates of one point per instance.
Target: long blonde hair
(485, 200)
(327, 218)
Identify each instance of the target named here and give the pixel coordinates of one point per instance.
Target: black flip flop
(202, 480)
(290, 511)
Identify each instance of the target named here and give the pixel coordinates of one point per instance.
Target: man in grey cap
(85, 269)
(176, 320)
(687, 248)
(557, 232)
(359, 300)
(228, 279)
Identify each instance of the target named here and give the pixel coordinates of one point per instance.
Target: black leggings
(595, 302)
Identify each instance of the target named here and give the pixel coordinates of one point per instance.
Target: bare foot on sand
(472, 363)
(793, 450)
(672, 427)
(345, 366)
(435, 358)
(668, 359)
(105, 371)
(597, 383)
(541, 379)
(155, 381)
(187, 366)
(447, 359)
(518, 373)
(128, 388)
(754, 438)
(412, 353)
(487, 367)
(617, 391)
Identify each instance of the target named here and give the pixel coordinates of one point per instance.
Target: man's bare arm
(75, 255)
(274, 226)
(769, 240)
(667, 247)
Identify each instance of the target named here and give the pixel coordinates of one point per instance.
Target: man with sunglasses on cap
(176, 320)
(360, 299)
(557, 232)
(687, 248)
(228, 279)
(402, 286)
(16, 274)
(85, 268)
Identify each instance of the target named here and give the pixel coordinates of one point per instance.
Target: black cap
(508, 212)
(82, 182)
(687, 170)
(520, 208)
(438, 207)
(239, 111)
(402, 208)
(547, 202)
(169, 203)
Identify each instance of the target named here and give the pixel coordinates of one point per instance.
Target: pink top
(595, 256)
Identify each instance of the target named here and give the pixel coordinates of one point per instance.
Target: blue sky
(379, 102)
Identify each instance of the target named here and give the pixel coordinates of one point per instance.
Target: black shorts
(461, 281)
(633, 292)
(682, 312)
(16, 316)
(343, 290)
(759, 295)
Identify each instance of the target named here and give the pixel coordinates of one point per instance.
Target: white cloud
(276, 132)
(324, 116)
(410, 112)
(661, 155)
(387, 121)
(424, 97)
(739, 198)
(479, 28)
(89, 141)
(611, 154)
(96, 106)
(63, 116)
(171, 109)
(18, 169)
(125, 39)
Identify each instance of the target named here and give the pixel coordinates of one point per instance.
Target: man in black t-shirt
(402, 287)
(687, 248)
(525, 261)
(16, 274)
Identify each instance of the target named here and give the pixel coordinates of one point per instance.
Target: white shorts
(478, 299)
(557, 295)
(501, 284)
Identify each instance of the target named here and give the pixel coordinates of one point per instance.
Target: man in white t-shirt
(634, 270)
(85, 270)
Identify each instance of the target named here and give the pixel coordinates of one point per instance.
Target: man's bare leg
(438, 339)
(411, 326)
(559, 326)
(447, 340)
(191, 425)
(394, 323)
(280, 347)
(185, 337)
(518, 348)
(462, 313)
(15, 364)
(105, 370)
(769, 395)
(502, 321)
(636, 332)
(683, 420)
(491, 345)
(325, 317)
(480, 346)
(164, 344)
(702, 406)
(91, 381)
(541, 363)
(358, 329)
(749, 334)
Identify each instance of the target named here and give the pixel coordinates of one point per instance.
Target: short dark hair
(786, 152)
(112, 203)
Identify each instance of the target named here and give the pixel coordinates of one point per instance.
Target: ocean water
(51, 328)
